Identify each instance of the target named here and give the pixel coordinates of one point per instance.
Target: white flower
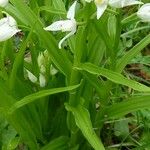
(3, 3)
(31, 76)
(53, 70)
(144, 13)
(102, 4)
(34, 79)
(8, 28)
(65, 25)
(101, 7)
(42, 80)
(123, 3)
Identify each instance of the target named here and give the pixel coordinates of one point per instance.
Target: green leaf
(92, 79)
(21, 126)
(83, 121)
(128, 106)
(112, 27)
(132, 53)
(121, 128)
(9, 139)
(130, 19)
(59, 4)
(113, 76)
(30, 98)
(13, 10)
(101, 29)
(53, 10)
(60, 143)
(19, 61)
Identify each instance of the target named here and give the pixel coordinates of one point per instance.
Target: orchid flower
(8, 28)
(144, 13)
(65, 25)
(123, 3)
(3, 3)
(102, 4)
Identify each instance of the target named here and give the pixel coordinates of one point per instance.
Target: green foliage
(90, 100)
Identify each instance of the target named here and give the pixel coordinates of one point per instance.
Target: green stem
(134, 30)
(75, 77)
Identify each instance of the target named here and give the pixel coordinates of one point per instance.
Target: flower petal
(6, 32)
(8, 20)
(11, 21)
(88, 1)
(42, 80)
(67, 36)
(3, 21)
(144, 13)
(31, 77)
(100, 9)
(3, 3)
(123, 3)
(71, 11)
(56, 26)
(63, 25)
(53, 70)
(8, 27)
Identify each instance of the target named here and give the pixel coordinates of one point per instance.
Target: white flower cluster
(43, 65)
(71, 24)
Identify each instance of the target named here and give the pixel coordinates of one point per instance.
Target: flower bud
(42, 80)
(53, 70)
(31, 77)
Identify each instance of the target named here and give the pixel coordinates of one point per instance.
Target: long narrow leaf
(113, 76)
(18, 120)
(128, 106)
(52, 10)
(83, 121)
(132, 53)
(30, 98)
(18, 61)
